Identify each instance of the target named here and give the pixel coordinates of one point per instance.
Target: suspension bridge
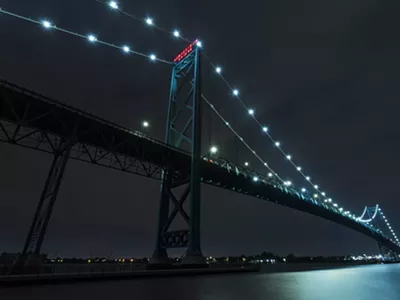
(31, 120)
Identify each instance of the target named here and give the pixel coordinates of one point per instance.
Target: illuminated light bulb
(126, 49)
(213, 149)
(149, 21)
(277, 144)
(246, 164)
(176, 33)
(326, 200)
(218, 70)
(153, 57)
(92, 38)
(46, 24)
(303, 190)
(288, 183)
(265, 164)
(323, 193)
(289, 157)
(227, 124)
(255, 179)
(265, 129)
(308, 178)
(315, 196)
(341, 209)
(236, 92)
(199, 44)
(145, 124)
(251, 112)
(113, 4)
(299, 169)
(335, 205)
(270, 175)
(316, 187)
(329, 200)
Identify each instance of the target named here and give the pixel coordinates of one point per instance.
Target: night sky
(323, 75)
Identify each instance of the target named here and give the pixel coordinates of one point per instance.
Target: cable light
(176, 33)
(113, 4)
(149, 21)
(91, 37)
(218, 70)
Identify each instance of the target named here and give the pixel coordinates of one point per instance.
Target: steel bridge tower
(183, 126)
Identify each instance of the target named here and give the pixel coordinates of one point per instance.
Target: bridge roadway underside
(33, 121)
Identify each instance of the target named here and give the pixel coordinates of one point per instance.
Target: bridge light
(315, 196)
(341, 209)
(308, 178)
(176, 33)
(149, 21)
(246, 164)
(199, 44)
(288, 183)
(299, 169)
(289, 157)
(270, 175)
(92, 38)
(277, 144)
(113, 4)
(326, 200)
(218, 70)
(251, 112)
(316, 187)
(145, 124)
(126, 49)
(323, 193)
(329, 200)
(46, 24)
(335, 205)
(265, 129)
(153, 57)
(236, 92)
(213, 150)
(303, 190)
(255, 178)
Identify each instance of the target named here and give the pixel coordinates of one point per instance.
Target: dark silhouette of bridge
(33, 121)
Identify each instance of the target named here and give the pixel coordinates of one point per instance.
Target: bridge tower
(183, 127)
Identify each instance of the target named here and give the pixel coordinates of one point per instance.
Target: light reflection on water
(377, 282)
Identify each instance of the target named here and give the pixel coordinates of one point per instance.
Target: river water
(375, 282)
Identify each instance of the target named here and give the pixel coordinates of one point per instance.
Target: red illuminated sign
(185, 52)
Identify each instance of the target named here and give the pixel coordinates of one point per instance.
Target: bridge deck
(30, 120)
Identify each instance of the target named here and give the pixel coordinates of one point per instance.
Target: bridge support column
(37, 231)
(183, 127)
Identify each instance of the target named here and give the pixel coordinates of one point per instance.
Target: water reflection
(376, 282)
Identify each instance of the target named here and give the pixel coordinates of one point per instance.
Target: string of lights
(218, 69)
(390, 227)
(272, 172)
(113, 5)
(48, 25)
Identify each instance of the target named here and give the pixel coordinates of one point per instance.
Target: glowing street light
(213, 150)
